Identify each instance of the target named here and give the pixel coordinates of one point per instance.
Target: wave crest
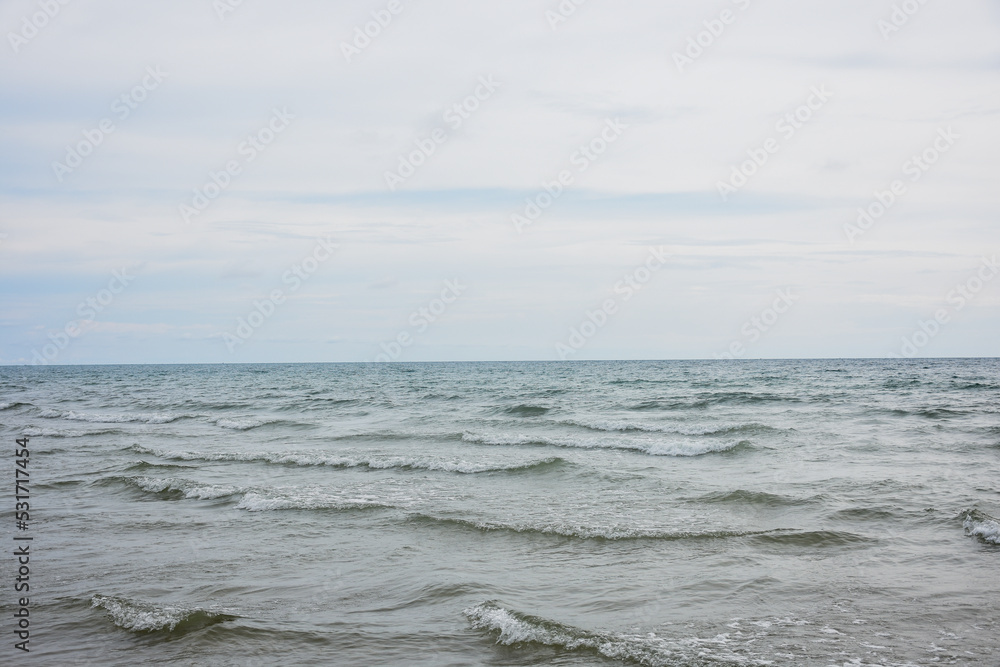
(652, 448)
(981, 526)
(625, 426)
(611, 533)
(173, 488)
(242, 424)
(127, 418)
(370, 461)
(254, 501)
(136, 616)
(512, 628)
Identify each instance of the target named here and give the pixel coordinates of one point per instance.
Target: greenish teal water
(652, 513)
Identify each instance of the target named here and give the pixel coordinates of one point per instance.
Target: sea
(674, 513)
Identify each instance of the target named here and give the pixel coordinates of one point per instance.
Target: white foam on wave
(242, 423)
(691, 448)
(35, 432)
(512, 629)
(126, 418)
(508, 439)
(342, 460)
(624, 530)
(983, 526)
(190, 490)
(269, 501)
(263, 499)
(140, 617)
(625, 425)
(145, 617)
(653, 448)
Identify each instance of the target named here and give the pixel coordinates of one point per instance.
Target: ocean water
(644, 513)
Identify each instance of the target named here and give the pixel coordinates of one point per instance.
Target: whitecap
(137, 616)
(981, 525)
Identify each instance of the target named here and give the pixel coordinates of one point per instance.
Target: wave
(813, 538)
(145, 617)
(12, 405)
(173, 488)
(939, 413)
(863, 514)
(625, 426)
(511, 628)
(322, 403)
(705, 400)
(127, 418)
(35, 432)
(981, 526)
(254, 501)
(650, 448)
(242, 423)
(659, 405)
(526, 410)
(61, 484)
(147, 465)
(371, 462)
(973, 385)
(609, 533)
(250, 499)
(744, 497)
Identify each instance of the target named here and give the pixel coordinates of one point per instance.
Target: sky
(227, 181)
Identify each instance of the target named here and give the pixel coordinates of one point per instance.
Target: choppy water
(650, 513)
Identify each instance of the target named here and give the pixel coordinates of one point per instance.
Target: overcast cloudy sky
(174, 176)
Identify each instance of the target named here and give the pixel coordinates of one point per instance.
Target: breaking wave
(35, 432)
(511, 628)
(625, 426)
(127, 418)
(173, 488)
(369, 461)
(136, 616)
(250, 499)
(981, 526)
(611, 533)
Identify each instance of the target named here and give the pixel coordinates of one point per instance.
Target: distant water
(646, 513)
